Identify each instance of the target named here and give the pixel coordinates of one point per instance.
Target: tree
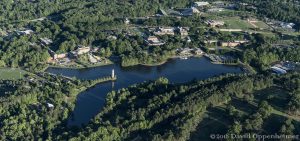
(2, 63)
(265, 109)
(287, 129)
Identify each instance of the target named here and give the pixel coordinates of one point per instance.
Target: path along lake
(90, 102)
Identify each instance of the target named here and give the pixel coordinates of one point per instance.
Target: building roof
(278, 70)
(46, 41)
(203, 3)
(190, 11)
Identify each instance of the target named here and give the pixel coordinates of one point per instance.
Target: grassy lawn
(262, 25)
(291, 33)
(268, 34)
(11, 73)
(236, 23)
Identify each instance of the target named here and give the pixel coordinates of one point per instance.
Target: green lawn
(262, 25)
(267, 34)
(236, 23)
(291, 33)
(11, 73)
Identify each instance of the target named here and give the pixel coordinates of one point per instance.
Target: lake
(90, 102)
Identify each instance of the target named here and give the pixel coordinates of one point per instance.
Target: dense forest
(37, 108)
(97, 10)
(25, 114)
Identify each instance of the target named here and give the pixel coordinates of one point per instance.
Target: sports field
(237, 23)
(11, 73)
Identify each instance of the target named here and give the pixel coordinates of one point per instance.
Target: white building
(287, 25)
(25, 32)
(46, 41)
(214, 23)
(164, 31)
(278, 70)
(154, 41)
(200, 4)
(216, 10)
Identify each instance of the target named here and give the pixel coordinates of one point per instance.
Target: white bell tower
(112, 73)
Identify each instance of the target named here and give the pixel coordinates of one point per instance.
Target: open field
(265, 33)
(291, 33)
(261, 25)
(237, 23)
(11, 73)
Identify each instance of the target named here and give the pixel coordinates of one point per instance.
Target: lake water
(90, 102)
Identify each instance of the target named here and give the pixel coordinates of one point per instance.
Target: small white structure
(127, 21)
(113, 73)
(111, 37)
(49, 105)
(188, 39)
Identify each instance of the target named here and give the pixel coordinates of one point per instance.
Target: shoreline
(77, 67)
(173, 57)
(147, 65)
